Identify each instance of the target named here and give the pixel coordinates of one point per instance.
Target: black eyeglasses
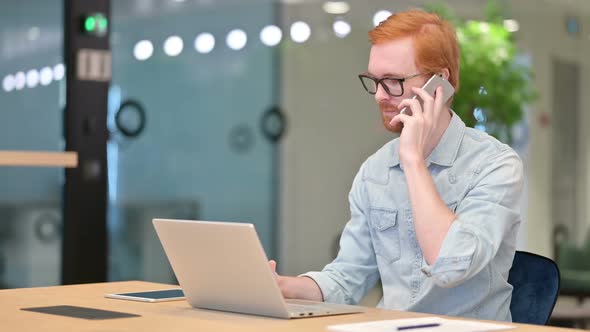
(392, 85)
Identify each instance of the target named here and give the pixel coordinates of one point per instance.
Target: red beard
(388, 112)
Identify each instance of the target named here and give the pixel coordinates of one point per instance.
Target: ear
(446, 73)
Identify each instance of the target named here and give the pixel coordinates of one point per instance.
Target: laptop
(222, 266)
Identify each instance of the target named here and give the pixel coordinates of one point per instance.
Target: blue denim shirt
(480, 180)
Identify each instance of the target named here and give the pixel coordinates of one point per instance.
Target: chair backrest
(536, 286)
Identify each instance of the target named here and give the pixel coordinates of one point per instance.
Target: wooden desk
(165, 316)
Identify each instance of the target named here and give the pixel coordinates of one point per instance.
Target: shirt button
(452, 178)
(426, 272)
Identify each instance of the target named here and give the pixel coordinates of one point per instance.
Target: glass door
(192, 86)
(31, 103)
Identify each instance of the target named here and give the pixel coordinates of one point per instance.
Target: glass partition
(31, 103)
(204, 81)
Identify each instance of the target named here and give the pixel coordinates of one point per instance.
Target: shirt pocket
(385, 234)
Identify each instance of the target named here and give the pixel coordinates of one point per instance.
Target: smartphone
(150, 296)
(430, 86)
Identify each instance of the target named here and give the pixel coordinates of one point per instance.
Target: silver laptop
(222, 266)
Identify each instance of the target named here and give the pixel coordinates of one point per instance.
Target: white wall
(333, 127)
(334, 124)
(544, 37)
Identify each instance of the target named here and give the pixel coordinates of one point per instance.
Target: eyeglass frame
(378, 81)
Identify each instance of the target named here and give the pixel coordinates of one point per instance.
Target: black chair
(536, 286)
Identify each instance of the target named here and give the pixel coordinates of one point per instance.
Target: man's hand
(273, 268)
(423, 129)
(303, 288)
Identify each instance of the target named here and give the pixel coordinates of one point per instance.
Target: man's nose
(381, 94)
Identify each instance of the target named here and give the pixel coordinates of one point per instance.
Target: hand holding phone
(420, 134)
(430, 86)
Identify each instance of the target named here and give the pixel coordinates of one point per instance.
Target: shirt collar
(446, 150)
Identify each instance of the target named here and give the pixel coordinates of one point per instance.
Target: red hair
(434, 40)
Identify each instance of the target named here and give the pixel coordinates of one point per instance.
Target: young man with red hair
(435, 212)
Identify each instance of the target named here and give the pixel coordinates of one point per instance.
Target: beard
(388, 112)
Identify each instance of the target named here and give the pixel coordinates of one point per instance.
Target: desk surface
(163, 316)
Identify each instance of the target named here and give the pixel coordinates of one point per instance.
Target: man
(435, 212)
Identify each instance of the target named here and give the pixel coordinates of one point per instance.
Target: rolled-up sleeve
(489, 214)
(354, 271)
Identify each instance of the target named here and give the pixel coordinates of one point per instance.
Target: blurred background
(251, 111)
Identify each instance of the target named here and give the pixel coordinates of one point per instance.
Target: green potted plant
(494, 86)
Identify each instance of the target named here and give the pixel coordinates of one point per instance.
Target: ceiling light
(300, 32)
(8, 83)
(341, 28)
(236, 39)
(336, 7)
(46, 76)
(271, 35)
(380, 16)
(59, 72)
(19, 80)
(32, 78)
(204, 43)
(143, 50)
(173, 46)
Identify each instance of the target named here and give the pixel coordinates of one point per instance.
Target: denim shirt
(480, 180)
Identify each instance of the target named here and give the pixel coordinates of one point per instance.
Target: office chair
(536, 286)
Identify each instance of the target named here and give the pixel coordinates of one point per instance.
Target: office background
(215, 145)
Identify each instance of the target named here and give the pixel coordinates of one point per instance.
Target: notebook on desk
(421, 324)
(222, 266)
